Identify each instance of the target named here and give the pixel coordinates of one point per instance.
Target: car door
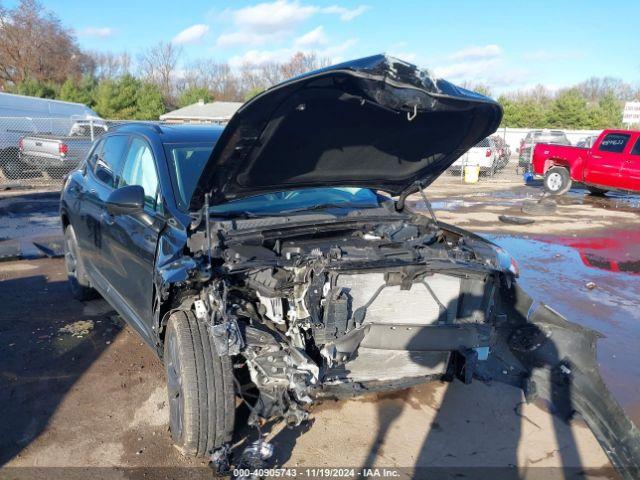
(100, 179)
(604, 166)
(630, 176)
(130, 240)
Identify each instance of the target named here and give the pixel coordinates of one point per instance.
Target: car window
(186, 162)
(614, 142)
(484, 143)
(140, 169)
(109, 160)
(94, 153)
(636, 148)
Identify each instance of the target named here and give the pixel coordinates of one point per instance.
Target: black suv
(262, 257)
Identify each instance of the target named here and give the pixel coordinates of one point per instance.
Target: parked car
(587, 142)
(260, 258)
(485, 154)
(504, 152)
(555, 137)
(58, 155)
(22, 115)
(612, 163)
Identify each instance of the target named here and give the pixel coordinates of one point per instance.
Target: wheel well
(554, 162)
(65, 221)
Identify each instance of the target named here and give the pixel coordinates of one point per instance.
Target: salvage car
(485, 154)
(264, 258)
(555, 137)
(611, 163)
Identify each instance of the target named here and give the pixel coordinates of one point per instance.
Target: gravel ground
(79, 390)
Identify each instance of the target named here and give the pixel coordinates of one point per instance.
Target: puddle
(558, 270)
(28, 219)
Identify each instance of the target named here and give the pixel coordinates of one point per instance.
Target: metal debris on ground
(516, 220)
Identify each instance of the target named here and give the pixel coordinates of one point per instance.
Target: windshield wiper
(324, 206)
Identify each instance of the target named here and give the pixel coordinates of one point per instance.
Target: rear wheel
(596, 191)
(10, 163)
(557, 181)
(199, 385)
(78, 280)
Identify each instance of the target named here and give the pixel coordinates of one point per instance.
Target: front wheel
(78, 280)
(557, 181)
(199, 385)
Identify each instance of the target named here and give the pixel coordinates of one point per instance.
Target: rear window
(636, 148)
(483, 144)
(614, 142)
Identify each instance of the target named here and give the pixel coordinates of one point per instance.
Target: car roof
(172, 133)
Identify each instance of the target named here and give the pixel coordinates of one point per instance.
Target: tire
(12, 167)
(199, 386)
(76, 274)
(596, 191)
(557, 181)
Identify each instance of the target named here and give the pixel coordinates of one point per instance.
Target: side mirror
(127, 200)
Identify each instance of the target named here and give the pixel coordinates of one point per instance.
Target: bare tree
(110, 65)
(302, 63)
(34, 45)
(158, 65)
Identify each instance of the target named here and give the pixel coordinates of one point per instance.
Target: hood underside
(376, 122)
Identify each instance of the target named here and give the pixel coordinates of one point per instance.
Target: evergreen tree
(569, 110)
(149, 102)
(35, 88)
(193, 95)
(82, 92)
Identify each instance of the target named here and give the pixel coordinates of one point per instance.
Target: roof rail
(153, 125)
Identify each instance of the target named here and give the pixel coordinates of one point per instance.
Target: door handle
(108, 218)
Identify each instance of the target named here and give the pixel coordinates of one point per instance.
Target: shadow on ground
(41, 363)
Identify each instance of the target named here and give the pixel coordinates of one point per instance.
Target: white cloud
(192, 34)
(476, 53)
(346, 14)
(271, 21)
(335, 52)
(272, 16)
(467, 70)
(260, 57)
(312, 38)
(100, 32)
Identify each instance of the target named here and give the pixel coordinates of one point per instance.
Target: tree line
(41, 57)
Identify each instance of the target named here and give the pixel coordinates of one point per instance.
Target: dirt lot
(78, 389)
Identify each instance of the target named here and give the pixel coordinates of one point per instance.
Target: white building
(214, 112)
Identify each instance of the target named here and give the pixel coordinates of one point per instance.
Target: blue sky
(507, 45)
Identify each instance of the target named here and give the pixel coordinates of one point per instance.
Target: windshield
(186, 162)
(299, 200)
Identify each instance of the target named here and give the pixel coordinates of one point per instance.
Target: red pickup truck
(612, 163)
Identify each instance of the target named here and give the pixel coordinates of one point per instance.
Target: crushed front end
(340, 308)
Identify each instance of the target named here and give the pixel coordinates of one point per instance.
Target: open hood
(377, 122)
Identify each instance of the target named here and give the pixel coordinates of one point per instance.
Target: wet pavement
(594, 281)
(30, 226)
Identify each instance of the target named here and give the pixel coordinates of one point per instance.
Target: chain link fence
(492, 160)
(39, 152)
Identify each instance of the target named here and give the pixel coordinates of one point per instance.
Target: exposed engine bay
(316, 310)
